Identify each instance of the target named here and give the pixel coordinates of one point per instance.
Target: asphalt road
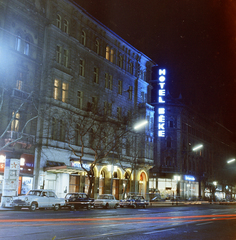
(178, 222)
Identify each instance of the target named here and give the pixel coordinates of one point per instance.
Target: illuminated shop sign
(189, 178)
(161, 101)
(78, 165)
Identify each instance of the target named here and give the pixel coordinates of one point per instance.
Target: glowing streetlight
(197, 147)
(141, 124)
(231, 160)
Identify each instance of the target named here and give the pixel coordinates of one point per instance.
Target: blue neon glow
(189, 178)
(161, 100)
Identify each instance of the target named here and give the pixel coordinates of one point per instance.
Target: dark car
(78, 200)
(134, 201)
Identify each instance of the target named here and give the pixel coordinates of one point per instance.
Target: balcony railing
(24, 139)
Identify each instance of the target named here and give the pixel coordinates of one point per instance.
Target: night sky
(193, 39)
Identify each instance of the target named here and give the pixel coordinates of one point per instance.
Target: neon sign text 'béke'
(161, 101)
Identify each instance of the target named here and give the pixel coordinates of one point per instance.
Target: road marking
(164, 230)
(203, 223)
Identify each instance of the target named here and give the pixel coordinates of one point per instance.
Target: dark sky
(193, 39)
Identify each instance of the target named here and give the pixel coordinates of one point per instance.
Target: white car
(106, 201)
(38, 199)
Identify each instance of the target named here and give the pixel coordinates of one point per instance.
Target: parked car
(106, 201)
(78, 200)
(134, 201)
(38, 199)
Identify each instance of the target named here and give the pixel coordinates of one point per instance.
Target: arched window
(107, 53)
(97, 44)
(27, 46)
(66, 26)
(18, 42)
(58, 21)
(83, 37)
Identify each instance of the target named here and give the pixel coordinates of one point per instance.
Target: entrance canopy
(60, 167)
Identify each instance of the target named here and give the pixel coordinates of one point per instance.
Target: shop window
(74, 183)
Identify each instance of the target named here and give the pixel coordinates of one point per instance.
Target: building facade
(63, 66)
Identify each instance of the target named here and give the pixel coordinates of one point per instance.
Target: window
(19, 81)
(131, 67)
(107, 53)
(66, 57)
(58, 54)
(54, 129)
(118, 113)
(95, 75)
(94, 103)
(56, 92)
(62, 130)
(66, 26)
(27, 46)
(18, 42)
(83, 37)
(58, 21)
(105, 108)
(112, 56)
(80, 99)
(168, 142)
(15, 124)
(64, 92)
(109, 109)
(130, 92)
(110, 82)
(106, 80)
(120, 61)
(97, 45)
(81, 67)
(77, 135)
(120, 87)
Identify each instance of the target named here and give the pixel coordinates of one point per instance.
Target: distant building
(191, 152)
(72, 64)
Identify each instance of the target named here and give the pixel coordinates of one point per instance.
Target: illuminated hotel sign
(161, 101)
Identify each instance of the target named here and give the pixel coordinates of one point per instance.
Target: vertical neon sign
(161, 101)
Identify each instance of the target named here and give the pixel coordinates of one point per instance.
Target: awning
(60, 167)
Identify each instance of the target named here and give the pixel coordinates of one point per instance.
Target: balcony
(16, 93)
(24, 139)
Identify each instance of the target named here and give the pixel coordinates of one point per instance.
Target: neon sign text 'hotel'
(161, 101)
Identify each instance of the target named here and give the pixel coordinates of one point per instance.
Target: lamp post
(137, 126)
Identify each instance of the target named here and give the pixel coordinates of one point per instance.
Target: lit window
(58, 56)
(22, 161)
(79, 99)
(83, 38)
(56, 92)
(15, 124)
(66, 57)
(27, 46)
(112, 56)
(95, 75)
(66, 26)
(58, 21)
(64, 92)
(120, 87)
(18, 42)
(107, 52)
(81, 67)
(97, 44)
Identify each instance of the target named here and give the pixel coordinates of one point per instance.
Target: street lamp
(197, 147)
(135, 127)
(231, 160)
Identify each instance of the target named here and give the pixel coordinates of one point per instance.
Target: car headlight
(26, 198)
